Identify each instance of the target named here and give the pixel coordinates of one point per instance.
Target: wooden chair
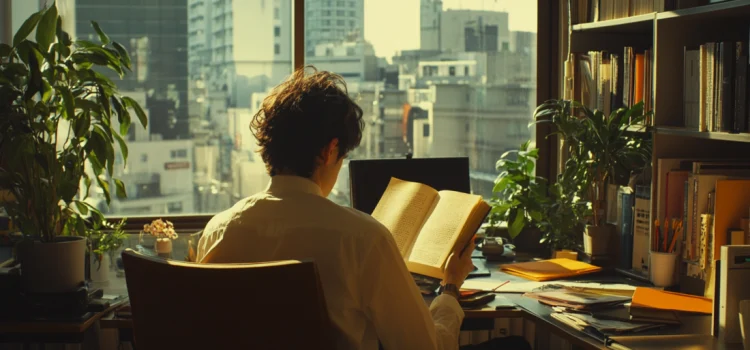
(183, 305)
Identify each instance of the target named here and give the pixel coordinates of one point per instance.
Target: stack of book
(711, 198)
(715, 87)
(608, 81)
(578, 300)
(583, 11)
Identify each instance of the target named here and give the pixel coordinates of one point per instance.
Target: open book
(428, 225)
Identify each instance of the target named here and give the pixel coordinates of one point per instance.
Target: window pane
(200, 69)
(460, 81)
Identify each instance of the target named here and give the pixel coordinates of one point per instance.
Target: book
(640, 81)
(552, 269)
(627, 201)
(691, 88)
(637, 314)
(428, 225)
(649, 298)
(578, 300)
(740, 87)
(641, 228)
(727, 86)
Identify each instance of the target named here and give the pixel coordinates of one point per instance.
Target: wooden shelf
(721, 10)
(722, 136)
(635, 24)
(639, 129)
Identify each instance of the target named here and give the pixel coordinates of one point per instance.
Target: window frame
(550, 45)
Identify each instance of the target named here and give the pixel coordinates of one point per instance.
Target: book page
(403, 209)
(443, 227)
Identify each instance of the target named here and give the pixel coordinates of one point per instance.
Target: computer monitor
(369, 178)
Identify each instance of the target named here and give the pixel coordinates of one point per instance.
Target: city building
(429, 24)
(330, 21)
(476, 121)
(355, 61)
(220, 55)
(155, 33)
(472, 31)
(155, 178)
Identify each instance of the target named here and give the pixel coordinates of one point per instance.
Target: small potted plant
(519, 198)
(163, 233)
(104, 240)
(601, 150)
(57, 138)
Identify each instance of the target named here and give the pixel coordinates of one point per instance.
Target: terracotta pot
(596, 239)
(53, 267)
(163, 246)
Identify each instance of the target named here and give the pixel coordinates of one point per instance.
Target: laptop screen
(369, 178)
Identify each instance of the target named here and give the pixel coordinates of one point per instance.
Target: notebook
(663, 300)
(552, 269)
(577, 300)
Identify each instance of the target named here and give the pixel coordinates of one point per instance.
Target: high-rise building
(474, 31)
(429, 24)
(155, 33)
(239, 47)
(330, 21)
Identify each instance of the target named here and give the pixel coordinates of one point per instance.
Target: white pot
(596, 239)
(99, 269)
(53, 267)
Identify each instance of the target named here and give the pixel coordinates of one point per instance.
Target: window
(219, 164)
(179, 153)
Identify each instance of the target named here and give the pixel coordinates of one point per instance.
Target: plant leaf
(82, 207)
(5, 50)
(68, 101)
(47, 28)
(26, 28)
(105, 187)
(123, 147)
(120, 189)
(515, 228)
(138, 110)
(102, 37)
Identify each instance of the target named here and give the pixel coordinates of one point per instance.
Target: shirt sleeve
(397, 309)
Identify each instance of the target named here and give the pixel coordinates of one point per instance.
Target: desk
(694, 333)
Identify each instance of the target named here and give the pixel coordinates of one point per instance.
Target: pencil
(677, 233)
(655, 240)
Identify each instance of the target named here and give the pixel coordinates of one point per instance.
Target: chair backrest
(182, 305)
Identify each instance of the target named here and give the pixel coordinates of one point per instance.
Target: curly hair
(301, 116)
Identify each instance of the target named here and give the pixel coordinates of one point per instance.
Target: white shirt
(369, 292)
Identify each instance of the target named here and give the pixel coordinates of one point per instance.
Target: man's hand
(458, 267)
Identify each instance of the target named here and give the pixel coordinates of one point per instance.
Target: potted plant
(563, 218)
(601, 150)
(163, 233)
(102, 246)
(56, 119)
(519, 197)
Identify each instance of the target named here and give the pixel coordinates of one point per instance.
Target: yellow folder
(546, 270)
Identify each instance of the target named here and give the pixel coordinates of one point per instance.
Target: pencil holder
(663, 268)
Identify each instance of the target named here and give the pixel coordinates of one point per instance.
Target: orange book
(553, 269)
(732, 201)
(640, 76)
(658, 299)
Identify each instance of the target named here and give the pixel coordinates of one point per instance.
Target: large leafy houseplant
(57, 116)
(601, 149)
(519, 196)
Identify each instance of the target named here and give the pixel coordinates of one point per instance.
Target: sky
(393, 25)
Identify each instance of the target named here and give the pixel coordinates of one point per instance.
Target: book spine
(709, 87)
(627, 231)
(727, 86)
(740, 87)
(686, 235)
(702, 126)
(627, 76)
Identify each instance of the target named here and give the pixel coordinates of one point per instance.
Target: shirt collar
(287, 183)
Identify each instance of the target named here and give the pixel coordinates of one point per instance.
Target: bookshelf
(667, 34)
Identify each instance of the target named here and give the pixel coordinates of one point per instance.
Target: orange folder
(662, 300)
(546, 270)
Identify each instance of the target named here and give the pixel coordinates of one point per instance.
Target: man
(305, 128)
